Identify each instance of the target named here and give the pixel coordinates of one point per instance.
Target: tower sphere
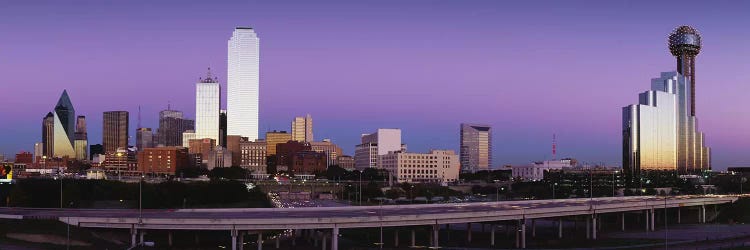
(685, 39)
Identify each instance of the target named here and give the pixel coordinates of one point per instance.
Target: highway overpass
(326, 222)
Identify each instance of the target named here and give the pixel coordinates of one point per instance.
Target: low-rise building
(309, 162)
(163, 160)
(253, 156)
(535, 171)
(219, 158)
(345, 162)
(437, 166)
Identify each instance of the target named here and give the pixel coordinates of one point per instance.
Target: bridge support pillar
(594, 219)
(679, 215)
(233, 233)
(435, 236)
(703, 213)
(133, 232)
(523, 233)
(140, 236)
(395, 238)
(169, 238)
(559, 228)
(294, 237)
(588, 227)
(492, 235)
(622, 222)
(468, 232)
(315, 238)
(413, 238)
(533, 228)
(242, 240)
(325, 241)
(653, 215)
(647, 220)
(260, 240)
(335, 239)
(278, 241)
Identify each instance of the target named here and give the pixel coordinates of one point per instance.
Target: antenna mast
(554, 147)
(139, 116)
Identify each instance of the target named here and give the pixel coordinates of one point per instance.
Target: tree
(228, 173)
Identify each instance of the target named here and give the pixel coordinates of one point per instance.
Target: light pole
(411, 194)
(61, 189)
(140, 200)
(360, 188)
(553, 190)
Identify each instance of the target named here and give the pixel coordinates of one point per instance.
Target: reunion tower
(685, 44)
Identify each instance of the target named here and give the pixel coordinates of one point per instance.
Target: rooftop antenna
(554, 147)
(169, 105)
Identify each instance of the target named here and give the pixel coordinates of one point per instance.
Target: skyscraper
(207, 101)
(115, 131)
(171, 126)
(381, 142)
(58, 129)
(476, 147)
(48, 135)
(657, 131)
(81, 139)
(302, 129)
(243, 83)
(144, 138)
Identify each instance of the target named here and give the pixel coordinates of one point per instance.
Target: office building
(187, 136)
(536, 170)
(476, 147)
(48, 135)
(253, 156)
(162, 161)
(58, 129)
(96, 149)
(121, 162)
(378, 143)
(81, 143)
(308, 162)
(38, 150)
(437, 166)
(233, 143)
(243, 83)
(115, 131)
(345, 162)
(144, 138)
(202, 148)
(285, 153)
(172, 124)
(207, 111)
(332, 151)
(219, 158)
(274, 138)
(302, 129)
(223, 127)
(24, 157)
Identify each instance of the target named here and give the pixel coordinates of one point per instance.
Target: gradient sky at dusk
(528, 68)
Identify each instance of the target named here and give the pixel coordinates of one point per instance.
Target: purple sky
(528, 68)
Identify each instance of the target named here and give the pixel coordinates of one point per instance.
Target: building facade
(378, 143)
(81, 143)
(274, 138)
(207, 108)
(302, 130)
(536, 170)
(243, 84)
(331, 150)
(144, 138)
(219, 158)
(437, 166)
(345, 162)
(253, 156)
(115, 131)
(660, 134)
(308, 162)
(162, 161)
(172, 124)
(58, 129)
(476, 147)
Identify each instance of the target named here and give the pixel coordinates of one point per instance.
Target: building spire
(209, 77)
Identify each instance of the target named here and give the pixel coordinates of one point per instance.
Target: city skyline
(522, 125)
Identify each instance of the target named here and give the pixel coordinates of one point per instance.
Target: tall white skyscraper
(207, 101)
(243, 83)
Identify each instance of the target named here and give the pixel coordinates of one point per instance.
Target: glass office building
(243, 83)
(476, 147)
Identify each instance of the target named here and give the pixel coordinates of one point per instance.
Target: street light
(613, 182)
(553, 190)
(140, 199)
